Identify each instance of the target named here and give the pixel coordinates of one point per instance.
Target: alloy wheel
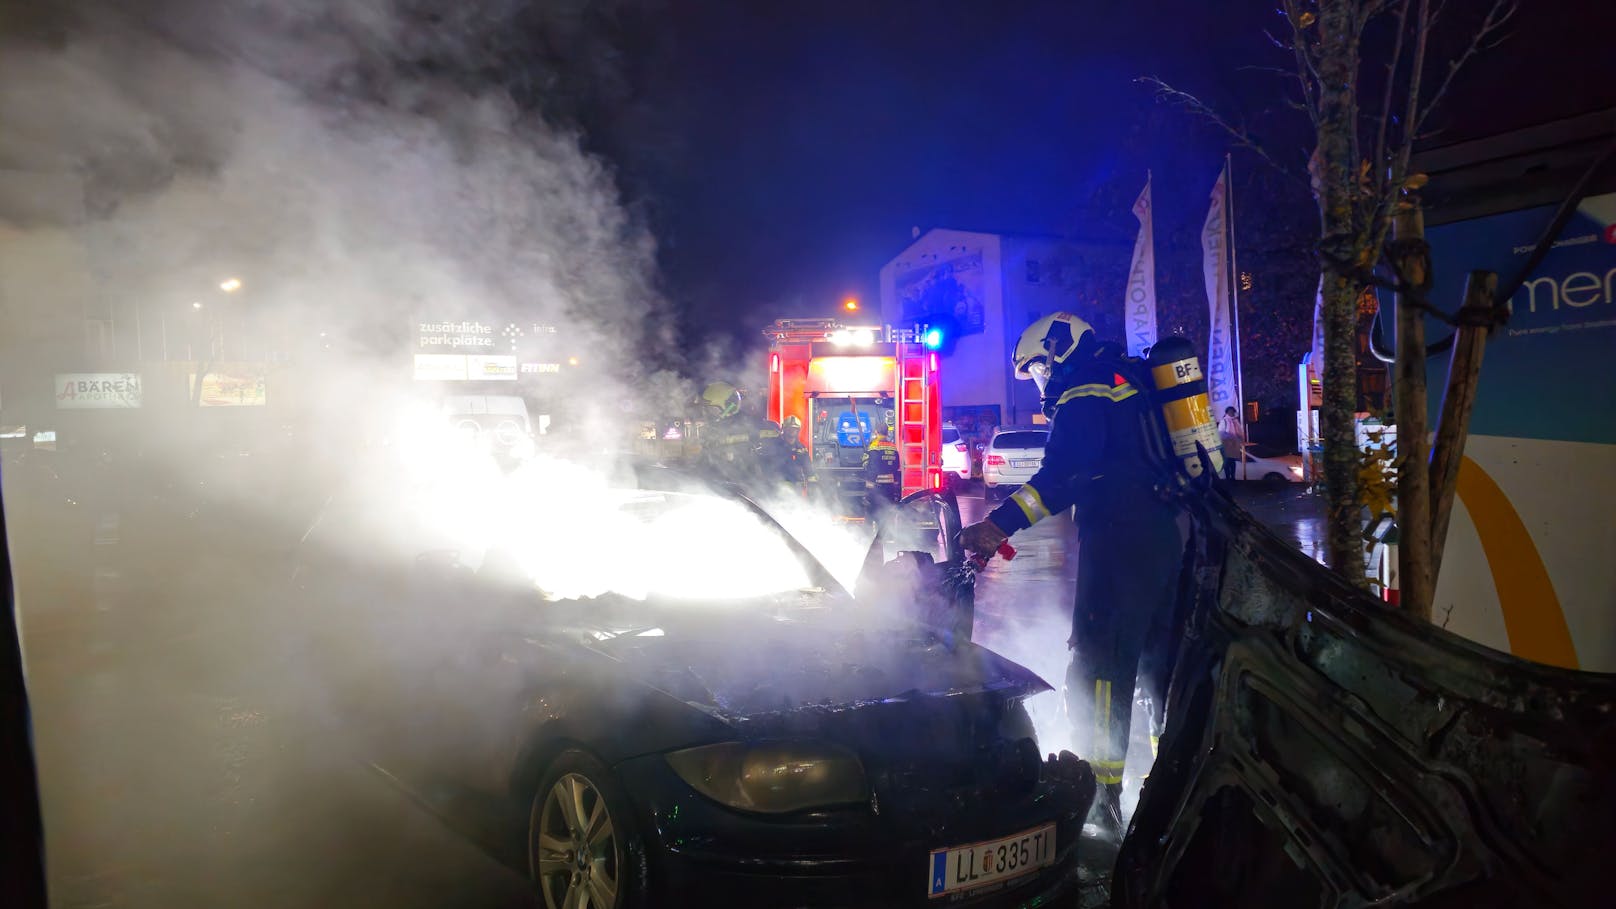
(576, 852)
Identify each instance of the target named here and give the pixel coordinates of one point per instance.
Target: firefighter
(732, 443)
(727, 442)
(1130, 545)
(881, 472)
(794, 461)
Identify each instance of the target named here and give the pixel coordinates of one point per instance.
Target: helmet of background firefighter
(720, 400)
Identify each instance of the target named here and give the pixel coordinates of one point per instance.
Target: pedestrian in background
(1234, 441)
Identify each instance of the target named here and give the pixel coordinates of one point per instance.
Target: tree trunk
(1341, 240)
(1338, 434)
(202, 369)
(1413, 462)
(1458, 399)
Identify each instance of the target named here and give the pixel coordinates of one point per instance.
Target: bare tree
(1367, 109)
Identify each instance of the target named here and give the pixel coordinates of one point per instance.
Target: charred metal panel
(1323, 750)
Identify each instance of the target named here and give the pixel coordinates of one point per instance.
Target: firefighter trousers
(1127, 574)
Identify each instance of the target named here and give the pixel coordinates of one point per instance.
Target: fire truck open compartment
(844, 382)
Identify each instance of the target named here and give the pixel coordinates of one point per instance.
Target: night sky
(783, 151)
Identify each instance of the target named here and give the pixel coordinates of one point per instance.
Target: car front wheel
(583, 849)
(1274, 479)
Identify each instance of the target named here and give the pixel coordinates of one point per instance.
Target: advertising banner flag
(1315, 363)
(1140, 306)
(1220, 371)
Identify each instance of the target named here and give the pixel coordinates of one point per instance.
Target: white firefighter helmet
(1046, 342)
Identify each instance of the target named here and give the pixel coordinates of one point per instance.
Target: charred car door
(1322, 750)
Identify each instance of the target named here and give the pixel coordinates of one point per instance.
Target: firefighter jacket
(737, 440)
(881, 464)
(1096, 458)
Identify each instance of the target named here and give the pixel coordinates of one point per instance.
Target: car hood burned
(748, 668)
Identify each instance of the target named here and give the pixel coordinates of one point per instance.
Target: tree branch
(1307, 72)
(1271, 70)
(1413, 294)
(1498, 15)
(1378, 162)
(1562, 217)
(1169, 95)
(1422, 34)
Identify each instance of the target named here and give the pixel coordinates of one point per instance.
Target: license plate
(968, 867)
(1031, 462)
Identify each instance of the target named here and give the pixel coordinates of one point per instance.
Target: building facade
(988, 287)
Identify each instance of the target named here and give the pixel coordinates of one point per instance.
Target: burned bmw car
(1323, 751)
(777, 742)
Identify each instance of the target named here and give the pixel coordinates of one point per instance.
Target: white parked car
(956, 455)
(1013, 456)
(1268, 466)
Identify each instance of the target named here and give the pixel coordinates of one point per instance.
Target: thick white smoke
(349, 164)
(337, 159)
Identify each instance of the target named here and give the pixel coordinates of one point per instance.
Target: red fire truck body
(846, 382)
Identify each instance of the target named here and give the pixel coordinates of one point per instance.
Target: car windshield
(1021, 439)
(950, 435)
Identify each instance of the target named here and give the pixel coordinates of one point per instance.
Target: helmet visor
(1039, 370)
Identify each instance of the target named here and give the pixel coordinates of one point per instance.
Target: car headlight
(774, 777)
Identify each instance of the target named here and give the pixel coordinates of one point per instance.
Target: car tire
(992, 493)
(576, 788)
(1274, 479)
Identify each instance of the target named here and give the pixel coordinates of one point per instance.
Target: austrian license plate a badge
(959, 868)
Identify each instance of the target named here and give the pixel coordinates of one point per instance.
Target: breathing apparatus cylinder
(1181, 393)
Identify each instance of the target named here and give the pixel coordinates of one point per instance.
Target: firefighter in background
(771, 445)
(794, 461)
(881, 486)
(730, 441)
(1097, 459)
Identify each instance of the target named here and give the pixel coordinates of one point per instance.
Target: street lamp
(197, 305)
(851, 304)
(230, 285)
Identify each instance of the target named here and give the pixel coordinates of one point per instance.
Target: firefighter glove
(982, 538)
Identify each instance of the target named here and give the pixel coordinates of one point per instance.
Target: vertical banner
(1315, 366)
(1140, 306)
(1215, 266)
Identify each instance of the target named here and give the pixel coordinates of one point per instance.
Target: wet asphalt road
(188, 759)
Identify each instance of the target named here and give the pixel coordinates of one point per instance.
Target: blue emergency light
(933, 338)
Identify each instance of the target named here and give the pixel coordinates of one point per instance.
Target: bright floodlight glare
(933, 338)
(230, 285)
(851, 305)
(196, 304)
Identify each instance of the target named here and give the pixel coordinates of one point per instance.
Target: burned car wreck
(1323, 750)
(794, 747)
(806, 746)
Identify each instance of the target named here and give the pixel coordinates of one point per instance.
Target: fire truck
(846, 382)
